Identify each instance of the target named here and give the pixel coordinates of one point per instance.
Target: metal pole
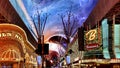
(42, 41)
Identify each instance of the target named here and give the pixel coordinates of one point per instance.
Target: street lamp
(39, 28)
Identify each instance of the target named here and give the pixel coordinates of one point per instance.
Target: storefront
(15, 50)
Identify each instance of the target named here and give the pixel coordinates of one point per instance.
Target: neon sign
(92, 46)
(93, 39)
(91, 34)
(11, 35)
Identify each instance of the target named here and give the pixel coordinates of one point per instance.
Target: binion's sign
(92, 46)
(92, 39)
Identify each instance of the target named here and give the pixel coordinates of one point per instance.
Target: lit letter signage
(91, 39)
(91, 34)
(4, 34)
(11, 35)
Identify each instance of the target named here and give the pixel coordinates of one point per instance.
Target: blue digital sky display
(28, 8)
(80, 8)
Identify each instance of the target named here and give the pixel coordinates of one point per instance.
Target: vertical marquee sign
(93, 39)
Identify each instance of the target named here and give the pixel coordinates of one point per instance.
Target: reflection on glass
(105, 39)
(117, 40)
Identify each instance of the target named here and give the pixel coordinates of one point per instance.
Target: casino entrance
(15, 50)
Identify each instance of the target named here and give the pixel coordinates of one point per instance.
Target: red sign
(92, 46)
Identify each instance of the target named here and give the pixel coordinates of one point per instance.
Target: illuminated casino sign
(92, 39)
(11, 35)
(92, 46)
(91, 35)
(10, 32)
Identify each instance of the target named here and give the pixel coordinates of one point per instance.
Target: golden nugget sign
(91, 39)
(11, 35)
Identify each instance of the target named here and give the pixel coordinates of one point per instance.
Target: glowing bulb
(51, 61)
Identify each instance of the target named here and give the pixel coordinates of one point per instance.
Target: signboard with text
(92, 39)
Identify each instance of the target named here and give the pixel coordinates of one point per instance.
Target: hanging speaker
(39, 49)
(81, 39)
(46, 49)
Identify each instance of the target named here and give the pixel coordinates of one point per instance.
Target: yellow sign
(91, 34)
(11, 35)
(93, 39)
